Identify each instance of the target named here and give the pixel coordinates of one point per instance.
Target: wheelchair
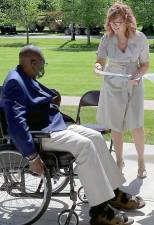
(24, 195)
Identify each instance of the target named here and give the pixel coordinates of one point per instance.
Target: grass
(70, 68)
(88, 115)
(70, 71)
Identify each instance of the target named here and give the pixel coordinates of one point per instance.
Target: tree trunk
(88, 36)
(27, 34)
(72, 32)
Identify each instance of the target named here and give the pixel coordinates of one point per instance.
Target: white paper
(148, 76)
(105, 73)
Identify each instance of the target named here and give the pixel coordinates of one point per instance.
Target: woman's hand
(133, 82)
(98, 66)
(134, 79)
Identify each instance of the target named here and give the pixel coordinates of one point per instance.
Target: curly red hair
(125, 12)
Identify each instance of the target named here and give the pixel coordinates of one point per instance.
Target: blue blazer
(28, 106)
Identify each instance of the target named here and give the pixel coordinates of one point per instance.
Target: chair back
(90, 98)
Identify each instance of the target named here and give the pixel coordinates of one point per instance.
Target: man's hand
(37, 166)
(56, 100)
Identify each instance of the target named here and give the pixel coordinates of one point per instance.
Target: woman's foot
(142, 173)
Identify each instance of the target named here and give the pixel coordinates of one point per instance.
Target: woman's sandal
(110, 216)
(126, 201)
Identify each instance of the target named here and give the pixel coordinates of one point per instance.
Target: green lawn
(88, 115)
(70, 71)
(70, 64)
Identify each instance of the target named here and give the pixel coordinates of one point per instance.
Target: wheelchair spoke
(59, 181)
(24, 195)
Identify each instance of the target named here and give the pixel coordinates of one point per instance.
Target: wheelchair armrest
(40, 134)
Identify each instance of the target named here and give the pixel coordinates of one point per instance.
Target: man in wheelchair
(29, 105)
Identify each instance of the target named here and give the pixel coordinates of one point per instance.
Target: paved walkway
(134, 185)
(74, 100)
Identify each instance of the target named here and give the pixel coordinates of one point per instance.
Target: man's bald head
(31, 60)
(30, 52)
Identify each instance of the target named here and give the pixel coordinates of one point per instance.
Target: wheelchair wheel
(24, 195)
(59, 181)
(81, 195)
(67, 218)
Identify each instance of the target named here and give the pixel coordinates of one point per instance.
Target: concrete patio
(134, 185)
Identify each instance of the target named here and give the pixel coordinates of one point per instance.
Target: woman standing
(123, 50)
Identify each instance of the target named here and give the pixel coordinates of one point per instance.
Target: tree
(4, 18)
(93, 13)
(70, 9)
(24, 12)
(86, 13)
(47, 5)
(144, 12)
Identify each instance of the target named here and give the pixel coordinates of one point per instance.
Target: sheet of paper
(148, 76)
(105, 73)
